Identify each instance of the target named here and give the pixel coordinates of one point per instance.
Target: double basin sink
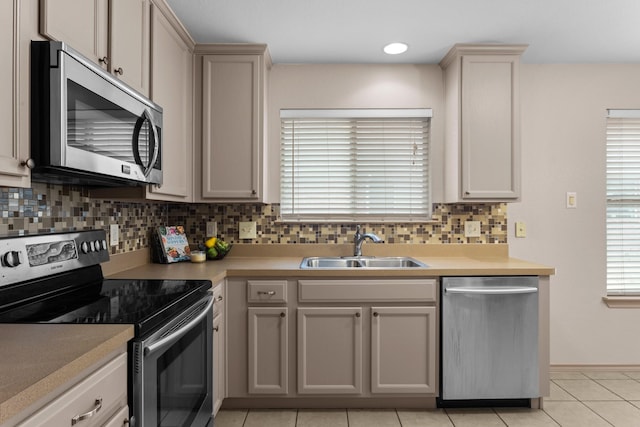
(361, 262)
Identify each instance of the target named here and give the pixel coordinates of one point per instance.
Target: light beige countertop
(37, 359)
(284, 261)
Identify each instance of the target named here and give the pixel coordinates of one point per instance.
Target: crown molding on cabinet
(460, 49)
(168, 13)
(235, 49)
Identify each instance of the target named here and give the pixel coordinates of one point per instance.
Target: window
(623, 202)
(355, 165)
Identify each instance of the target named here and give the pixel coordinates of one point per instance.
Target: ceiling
(354, 31)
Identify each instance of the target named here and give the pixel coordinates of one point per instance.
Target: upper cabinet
(229, 164)
(482, 123)
(112, 33)
(15, 34)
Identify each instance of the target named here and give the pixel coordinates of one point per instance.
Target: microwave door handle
(146, 115)
(156, 145)
(176, 335)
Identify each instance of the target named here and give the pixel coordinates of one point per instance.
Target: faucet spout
(360, 237)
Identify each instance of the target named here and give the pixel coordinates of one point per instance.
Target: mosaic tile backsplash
(55, 208)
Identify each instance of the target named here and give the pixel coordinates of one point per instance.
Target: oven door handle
(179, 333)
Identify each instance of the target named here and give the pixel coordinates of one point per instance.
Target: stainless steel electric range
(57, 278)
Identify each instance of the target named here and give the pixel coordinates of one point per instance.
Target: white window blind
(342, 165)
(623, 202)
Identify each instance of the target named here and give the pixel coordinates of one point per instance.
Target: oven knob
(84, 247)
(97, 245)
(91, 246)
(11, 259)
(104, 245)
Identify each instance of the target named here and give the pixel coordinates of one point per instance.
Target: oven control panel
(34, 256)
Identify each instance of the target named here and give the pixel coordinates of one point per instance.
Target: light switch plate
(248, 230)
(521, 229)
(472, 229)
(114, 235)
(212, 229)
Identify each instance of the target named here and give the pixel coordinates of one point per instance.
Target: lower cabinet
(330, 350)
(219, 348)
(268, 350)
(121, 419)
(323, 338)
(98, 400)
(403, 349)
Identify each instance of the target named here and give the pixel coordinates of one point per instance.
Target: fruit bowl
(221, 254)
(215, 248)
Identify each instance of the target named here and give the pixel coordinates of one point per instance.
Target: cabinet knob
(282, 314)
(466, 193)
(254, 192)
(216, 328)
(104, 60)
(375, 314)
(219, 298)
(29, 163)
(358, 314)
(118, 71)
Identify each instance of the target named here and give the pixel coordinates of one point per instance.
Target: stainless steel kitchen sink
(361, 262)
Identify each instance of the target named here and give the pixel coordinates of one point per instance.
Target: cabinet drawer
(383, 290)
(218, 300)
(101, 395)
(267, 291)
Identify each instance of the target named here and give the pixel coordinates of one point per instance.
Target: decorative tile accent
(447, 225)
(56, 208)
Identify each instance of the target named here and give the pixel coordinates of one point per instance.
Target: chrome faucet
(359, 238)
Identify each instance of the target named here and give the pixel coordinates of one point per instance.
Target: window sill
(622, 302)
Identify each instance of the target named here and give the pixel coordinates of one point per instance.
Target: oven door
(172, 372)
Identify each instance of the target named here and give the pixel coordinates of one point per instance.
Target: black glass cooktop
(143, 303)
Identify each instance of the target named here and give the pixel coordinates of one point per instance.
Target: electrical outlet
(114, 234)
(472, 229)
(212, 229)
(572, 200)
(521, 229)
(248, 230)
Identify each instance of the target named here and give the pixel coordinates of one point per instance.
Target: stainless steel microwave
(87, 127)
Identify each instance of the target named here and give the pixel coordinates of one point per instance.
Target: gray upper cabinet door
(83, 24)
(482, 123)
(14, 88)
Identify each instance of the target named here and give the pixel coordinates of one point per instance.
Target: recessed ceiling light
(395, 48)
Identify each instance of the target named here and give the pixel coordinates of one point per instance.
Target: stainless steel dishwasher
(489, 338)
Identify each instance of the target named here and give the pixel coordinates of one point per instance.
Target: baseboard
(594, 368)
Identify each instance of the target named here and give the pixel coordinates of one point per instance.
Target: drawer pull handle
(219, 298)
(270, 293)
(98, 405)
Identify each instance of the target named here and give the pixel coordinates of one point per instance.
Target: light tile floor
(580, 399)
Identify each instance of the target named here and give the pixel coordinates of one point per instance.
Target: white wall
(563, 149)
(353, 86)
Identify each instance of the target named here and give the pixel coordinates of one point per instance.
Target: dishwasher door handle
(501, 290)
